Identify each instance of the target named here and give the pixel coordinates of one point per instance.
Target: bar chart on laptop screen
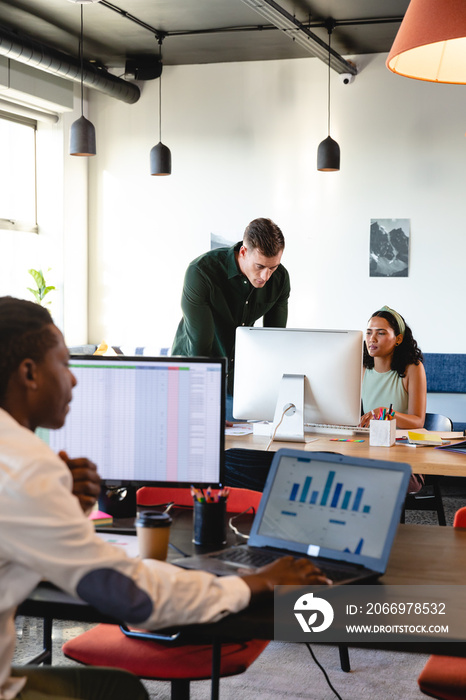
(145, 421)
(332, 506)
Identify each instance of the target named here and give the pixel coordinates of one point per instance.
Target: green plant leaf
(38, 277)
(36, 294)
(46, 290)
(42, 287)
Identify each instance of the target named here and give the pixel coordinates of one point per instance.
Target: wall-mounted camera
(346, 78)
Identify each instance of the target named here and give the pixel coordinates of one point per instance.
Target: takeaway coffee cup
(153, 530)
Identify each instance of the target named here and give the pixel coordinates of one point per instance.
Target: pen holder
(382, 433)
(209, 523)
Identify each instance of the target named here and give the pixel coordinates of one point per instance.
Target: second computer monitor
(326, 364)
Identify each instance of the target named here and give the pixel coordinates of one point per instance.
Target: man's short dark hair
(25, 332)
(264, 235)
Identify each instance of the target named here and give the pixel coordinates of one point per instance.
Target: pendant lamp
(328, 153)
(160, 156)
(431, 42)
(82, 132)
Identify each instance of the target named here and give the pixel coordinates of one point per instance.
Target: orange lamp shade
(431, 42)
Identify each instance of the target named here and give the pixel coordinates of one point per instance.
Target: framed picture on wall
(389, 248)
(219, 241)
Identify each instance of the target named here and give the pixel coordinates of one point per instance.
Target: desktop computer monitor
(318, 372)
(147, 420)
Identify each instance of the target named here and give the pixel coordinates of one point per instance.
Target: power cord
(237, 515)
(324, 672)
(180, 551)
(288, 408)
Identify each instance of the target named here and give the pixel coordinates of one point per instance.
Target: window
(18, 210)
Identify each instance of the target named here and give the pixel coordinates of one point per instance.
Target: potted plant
(42, 288)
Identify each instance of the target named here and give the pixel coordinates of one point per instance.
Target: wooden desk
(423, 460)
(421, 555)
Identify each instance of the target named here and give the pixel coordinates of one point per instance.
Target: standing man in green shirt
(230, 287)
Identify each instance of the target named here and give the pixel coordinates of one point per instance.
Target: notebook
(342, 512)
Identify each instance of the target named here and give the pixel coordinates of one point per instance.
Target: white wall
(244, 139)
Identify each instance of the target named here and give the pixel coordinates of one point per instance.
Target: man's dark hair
(407, 353)
(264, 235)
(25, 332)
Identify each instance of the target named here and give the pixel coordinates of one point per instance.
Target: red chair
(158, 657)
(444, 677)
(238, 500)
(108, 645)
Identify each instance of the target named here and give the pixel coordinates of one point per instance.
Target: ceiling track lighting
(299, 33)
(431, 42)
(160, 155)
(82, 131)
(328, 153)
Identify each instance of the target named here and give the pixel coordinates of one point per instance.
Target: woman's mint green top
(383, 389)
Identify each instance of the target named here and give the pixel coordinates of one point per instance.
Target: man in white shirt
(44, 532)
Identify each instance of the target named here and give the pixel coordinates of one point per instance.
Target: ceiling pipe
(26, 50)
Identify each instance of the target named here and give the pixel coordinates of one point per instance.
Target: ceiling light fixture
(82, 131)
(431, 42)
(160, 156)
(328, 153)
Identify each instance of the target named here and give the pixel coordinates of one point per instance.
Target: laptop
(341, 512)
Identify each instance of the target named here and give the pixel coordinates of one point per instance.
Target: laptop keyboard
(248, 557)
(243, 556)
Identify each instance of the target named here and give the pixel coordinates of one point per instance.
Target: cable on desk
(180, 551)
(288, 408)
(324, 672)
(233, 517)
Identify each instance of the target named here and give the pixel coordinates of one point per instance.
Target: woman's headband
(397, 317)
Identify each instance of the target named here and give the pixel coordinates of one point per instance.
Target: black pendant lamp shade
(160, 155)
(82, 138)
(160, 160)
(82, 131)
(328, 153)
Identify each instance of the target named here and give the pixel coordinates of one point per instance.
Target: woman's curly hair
(406, 353)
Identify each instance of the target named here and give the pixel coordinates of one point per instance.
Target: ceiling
(199, 31)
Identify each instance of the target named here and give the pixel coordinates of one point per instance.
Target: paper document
(428, 438)
(128, 543)
(239, 429)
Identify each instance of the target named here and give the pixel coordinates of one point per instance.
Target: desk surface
(421, 555)
(423, 460)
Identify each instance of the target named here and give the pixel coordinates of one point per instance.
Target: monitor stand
(118, 501)
(291, 400)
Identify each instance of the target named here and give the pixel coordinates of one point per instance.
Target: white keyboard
(335, 429)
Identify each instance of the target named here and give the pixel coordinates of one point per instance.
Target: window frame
(23, 225)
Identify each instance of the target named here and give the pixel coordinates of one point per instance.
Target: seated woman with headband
(393, 371)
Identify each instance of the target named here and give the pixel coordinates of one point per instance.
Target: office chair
(430, 496)
(444, 677)
(237, 501)
(162, 658)
(435, 421)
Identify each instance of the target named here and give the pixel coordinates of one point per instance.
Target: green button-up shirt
(217, 298)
